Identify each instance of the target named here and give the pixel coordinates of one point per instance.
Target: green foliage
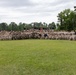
(21, 27)
(24, 26)
(67, 20)
(13, 26)
(37, 25)
(38, 57)
(3, 26)
(52, 25)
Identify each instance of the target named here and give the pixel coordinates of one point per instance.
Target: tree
(21, 26)
(3, 26)
(52, 25)
(13, 26)
(45, 25)
(27, 26)
(66, 20)
(37, 25)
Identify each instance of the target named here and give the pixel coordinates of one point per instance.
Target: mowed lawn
(38, 57)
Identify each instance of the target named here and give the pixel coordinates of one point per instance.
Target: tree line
(24, 26)
(66, 21)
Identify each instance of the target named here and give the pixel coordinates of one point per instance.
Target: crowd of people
(37, 34)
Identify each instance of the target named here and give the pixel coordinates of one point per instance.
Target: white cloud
(33, 10)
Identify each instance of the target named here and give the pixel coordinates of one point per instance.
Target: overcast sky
(33, 10)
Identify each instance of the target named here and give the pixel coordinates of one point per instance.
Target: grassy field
(38, 57)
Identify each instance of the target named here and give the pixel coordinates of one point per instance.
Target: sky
(28, 11)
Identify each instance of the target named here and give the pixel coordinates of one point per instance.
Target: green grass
(38, 57)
